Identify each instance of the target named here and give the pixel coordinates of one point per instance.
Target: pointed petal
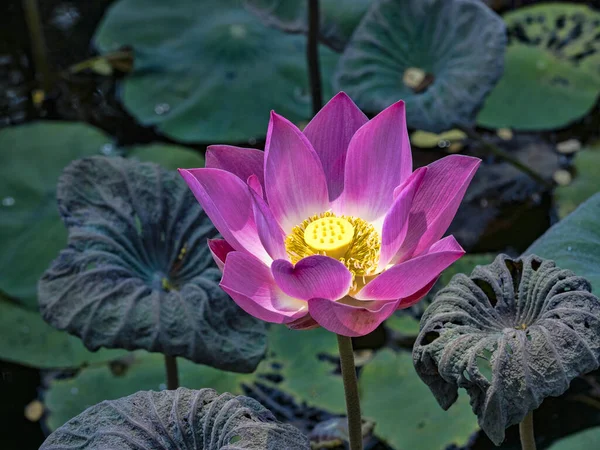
(303, 323)
(417, 296)
(270, 233)
(250, 284)
(436, 202)
(330, 132)
(378, 160)
(255, 185)
(313, 276)
(228, 204)
(395, 225)
(219, 248)
(407, 278)
(295, 184)
(350, 317)
(240, 161)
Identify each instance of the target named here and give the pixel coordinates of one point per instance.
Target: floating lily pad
(441, 57)
(584, 440)
(584, 185)
(137, 273)
(31, 233)
(168, 156)
(28, 340)
(552, 74)
(405, 413)
(338, 18)
(209, 70)
(574, 242)
(201, 420)
(291, 356)
(511, 334)
(425, 139)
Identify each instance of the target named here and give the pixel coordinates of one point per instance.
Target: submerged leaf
(137, 272)
(551, 75)
(209, 70)
(441, 57)
(511, 334)
(201, 420)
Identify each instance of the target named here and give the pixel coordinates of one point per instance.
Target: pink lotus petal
(350, 317)
(407, 278)
(240, 161)
(219, 248)
(270, 233)
(303, 323)
(417, 296)
(330, 132)
(295, 184)
(395, 224)
(228, 204)
(313, 276)
(436, 202)
(255, 185)
(250, 284)
(378, 160)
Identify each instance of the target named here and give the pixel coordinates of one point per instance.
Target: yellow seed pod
(331, 235)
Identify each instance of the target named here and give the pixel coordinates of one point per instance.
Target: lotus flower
(331, 226)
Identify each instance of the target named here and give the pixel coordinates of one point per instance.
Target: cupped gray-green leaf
(31, 233)
(339, 18)
(458, 45)
(137, 273)
(406, 416)
(511, 334)
(574, 242)
(28, 340)
(552, 74)
(209, 70)
(199, 420)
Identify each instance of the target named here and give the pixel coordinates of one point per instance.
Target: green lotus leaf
(552, 74)
(137, 273)
(168, 156)
(291, 356)
(511, 334)
(574, 242)
(584, 185)
(31, 233)
(184, 418)
(209, 70)
(28, 340)
(441, 57)
(406, 415)
(584, 440)
(338, 18)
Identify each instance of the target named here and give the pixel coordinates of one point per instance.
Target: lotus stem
(495, 150)
(38, 43)
(526, 432)
(172, 373)
(351, 392)
(312, 55)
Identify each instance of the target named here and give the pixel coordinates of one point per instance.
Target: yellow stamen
(348, 239)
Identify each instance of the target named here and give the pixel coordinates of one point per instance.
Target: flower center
(348, 239)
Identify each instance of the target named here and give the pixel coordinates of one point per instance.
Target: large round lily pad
(339, 18)
(137, 272)
(441, 57)
(209, 70)
(552, 74)
(511, 334)
(291, 356)
(584, 185)
(405, 414)
(31, 233)
(199, 420)
(574, 242)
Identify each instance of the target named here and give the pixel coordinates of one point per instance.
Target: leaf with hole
(511, 334)
(441, 57)
(183, 418)
(208, 71)
(137, 273)
(552, 74)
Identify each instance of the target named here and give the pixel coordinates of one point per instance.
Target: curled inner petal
(356, 243)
